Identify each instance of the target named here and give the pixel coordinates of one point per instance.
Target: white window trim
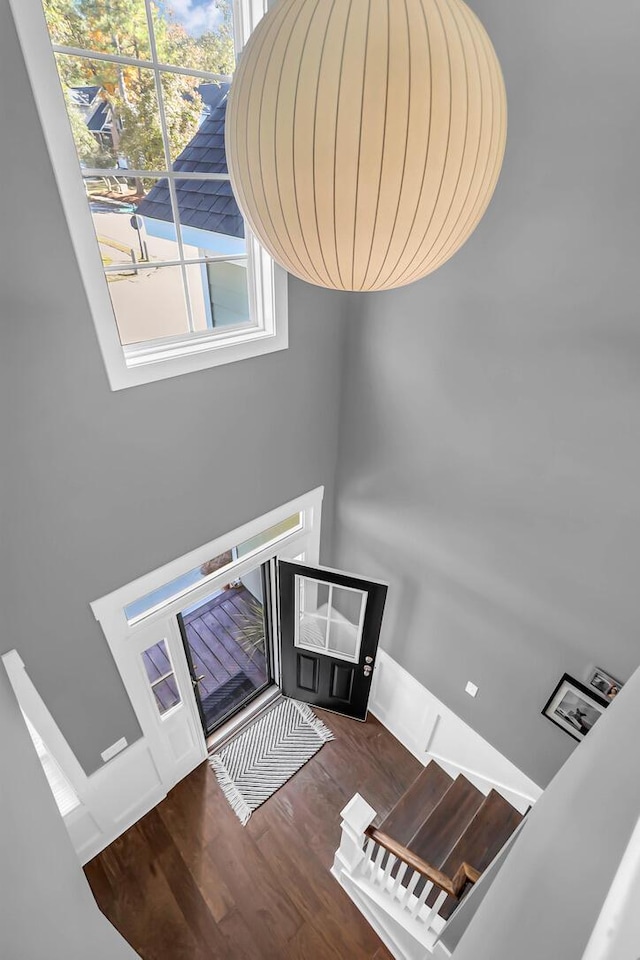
(127, 367)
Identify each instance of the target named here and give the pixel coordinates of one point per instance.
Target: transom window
(145, 86)
(181, 586)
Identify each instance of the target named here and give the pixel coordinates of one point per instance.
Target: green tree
(120, 27)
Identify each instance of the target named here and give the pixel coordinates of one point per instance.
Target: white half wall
(431, 731)
(46, 907)
(113, 798)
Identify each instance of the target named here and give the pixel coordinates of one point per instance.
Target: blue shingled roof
(100, 118)
(84, 96)
(96, 111)
(205, 204)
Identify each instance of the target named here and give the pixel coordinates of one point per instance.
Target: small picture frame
(606, 685)
(574, 707)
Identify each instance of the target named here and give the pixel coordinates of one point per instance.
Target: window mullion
(220, 258)
(167, 150)
(167, 174)
(136, 62)
(183, 266)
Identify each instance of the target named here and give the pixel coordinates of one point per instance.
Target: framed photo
(606, 685)
(574, 707)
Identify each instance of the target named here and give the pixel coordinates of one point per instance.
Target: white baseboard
(431, 731)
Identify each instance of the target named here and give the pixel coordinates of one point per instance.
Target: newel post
(356, 817)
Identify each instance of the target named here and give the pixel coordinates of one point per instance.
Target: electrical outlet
(471, 689)
(114, 749)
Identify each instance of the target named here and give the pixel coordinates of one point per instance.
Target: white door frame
(176, 740)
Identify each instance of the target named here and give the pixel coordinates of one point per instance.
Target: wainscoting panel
(124, 790)
(431, 731)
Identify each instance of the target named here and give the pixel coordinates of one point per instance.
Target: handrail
(453, 887)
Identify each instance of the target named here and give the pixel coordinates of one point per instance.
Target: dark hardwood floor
(188, 882)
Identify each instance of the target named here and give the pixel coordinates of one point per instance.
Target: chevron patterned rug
(262, 758)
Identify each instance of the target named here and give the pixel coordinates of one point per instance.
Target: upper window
(145, 86)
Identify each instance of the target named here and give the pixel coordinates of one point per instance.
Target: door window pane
(343, 640)
(329, 618)
(159, 670)
(347, 604)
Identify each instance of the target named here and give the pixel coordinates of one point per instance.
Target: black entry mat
(227, 696)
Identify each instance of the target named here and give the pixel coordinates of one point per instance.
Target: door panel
(308, 673)
(329, 629)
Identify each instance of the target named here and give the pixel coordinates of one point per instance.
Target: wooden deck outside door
(329, 629)
(228, 662)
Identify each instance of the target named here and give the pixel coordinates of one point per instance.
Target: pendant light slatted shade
(365, 137)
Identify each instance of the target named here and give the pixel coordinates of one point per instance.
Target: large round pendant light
(365, 137)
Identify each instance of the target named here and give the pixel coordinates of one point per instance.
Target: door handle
(197, 680)
(367, 671)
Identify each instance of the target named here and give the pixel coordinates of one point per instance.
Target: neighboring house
(95, 110)
(210, 219)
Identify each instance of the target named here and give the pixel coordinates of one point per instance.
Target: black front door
(329, 629)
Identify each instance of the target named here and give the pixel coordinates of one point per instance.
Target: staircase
(410, 873)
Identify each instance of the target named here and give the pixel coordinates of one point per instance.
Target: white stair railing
(383, 884)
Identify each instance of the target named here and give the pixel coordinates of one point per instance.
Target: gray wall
(489, 463)
(546, 898)
(102, 487)
(46, 906)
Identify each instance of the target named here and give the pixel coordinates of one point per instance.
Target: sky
(196, 16)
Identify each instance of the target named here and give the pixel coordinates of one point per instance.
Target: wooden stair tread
(488, 831)
(438, 835)
(417, 803)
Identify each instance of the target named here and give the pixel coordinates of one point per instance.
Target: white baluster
(408, 891)
(378, 866)
(391, 861)
(369, 849)
(435, 909)
(422, 899)
(398, 880)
